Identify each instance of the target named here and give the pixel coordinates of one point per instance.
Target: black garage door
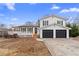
(47, 33)
(60, 33)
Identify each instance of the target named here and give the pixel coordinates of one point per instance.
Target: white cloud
(64, 10)
(10, 6)
(14, 19)
(70, 10)
(55, 7)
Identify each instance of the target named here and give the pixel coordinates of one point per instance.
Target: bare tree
(2, 25)
(76, 20)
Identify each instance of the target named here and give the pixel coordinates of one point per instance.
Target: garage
(47, 33)
(60, 33)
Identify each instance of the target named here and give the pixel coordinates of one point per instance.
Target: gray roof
(26, 26)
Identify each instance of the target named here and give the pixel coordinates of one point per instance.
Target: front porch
(23, 31)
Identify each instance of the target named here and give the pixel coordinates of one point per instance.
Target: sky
(19, 13)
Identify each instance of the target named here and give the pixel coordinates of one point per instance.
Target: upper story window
(60, 22)
(45, 23)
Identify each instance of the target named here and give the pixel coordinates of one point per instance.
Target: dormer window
(45, 23)
(60, 22)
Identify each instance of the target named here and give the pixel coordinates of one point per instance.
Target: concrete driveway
(62, 47)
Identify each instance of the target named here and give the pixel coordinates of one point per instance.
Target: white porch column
(33, 29)
(40, 33)
(26, 30)
(20, 29)
(54, 33)
(67, 33)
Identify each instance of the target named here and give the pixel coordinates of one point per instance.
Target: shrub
(15, 35)
(74, 30)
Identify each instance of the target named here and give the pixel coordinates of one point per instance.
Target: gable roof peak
(53, 15)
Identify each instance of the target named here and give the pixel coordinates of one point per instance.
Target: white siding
(49, 19)
(52, 20)
(21, 33)
(55, 21)
(53, 27)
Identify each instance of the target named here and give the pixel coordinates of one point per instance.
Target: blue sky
(19, 13)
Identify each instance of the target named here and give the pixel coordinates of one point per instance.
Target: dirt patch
(23, 47)
(7, 52)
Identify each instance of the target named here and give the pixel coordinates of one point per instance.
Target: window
(60, 22)
(45, 23)
(29, 30)
(23, 29)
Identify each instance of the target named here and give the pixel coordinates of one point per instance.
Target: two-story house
(53, 26)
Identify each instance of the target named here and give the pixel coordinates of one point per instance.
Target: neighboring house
(23, 30)
(53, 27)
